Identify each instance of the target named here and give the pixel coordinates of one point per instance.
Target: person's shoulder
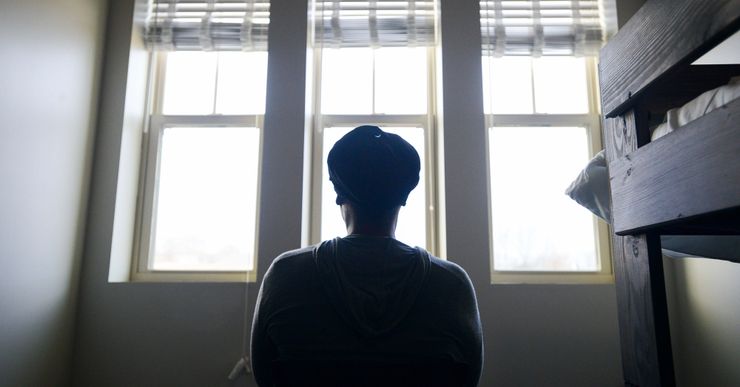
(292, 261)
(448, 270)
(295, 256)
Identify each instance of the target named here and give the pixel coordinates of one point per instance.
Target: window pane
(412, 225)
(560, 85)
(401, 80)
(535, 225)
(507, 85)
(189, 82)
(242, 80)
(207, 199)
(347, 81)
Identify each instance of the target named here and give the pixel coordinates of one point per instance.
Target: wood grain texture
(691, 172)
(662, 36)
(643, 313)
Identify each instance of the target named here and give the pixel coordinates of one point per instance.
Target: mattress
(698, 107)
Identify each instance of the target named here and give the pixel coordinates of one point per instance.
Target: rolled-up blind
(378, 23)
(207, 25)
(546, 27)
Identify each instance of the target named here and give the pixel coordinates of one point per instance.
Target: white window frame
(151, 151)
(427, 122)
(592, 122)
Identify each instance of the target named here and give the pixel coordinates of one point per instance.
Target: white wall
(191, 334)
(705, 321)
(48, 101)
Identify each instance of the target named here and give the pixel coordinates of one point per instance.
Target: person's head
(373, 173)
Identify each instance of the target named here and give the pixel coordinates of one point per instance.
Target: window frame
(155, 125)
(592, 122)
(427, 122)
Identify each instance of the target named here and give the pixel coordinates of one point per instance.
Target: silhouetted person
(366, 309)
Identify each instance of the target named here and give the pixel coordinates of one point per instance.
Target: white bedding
(699, 106)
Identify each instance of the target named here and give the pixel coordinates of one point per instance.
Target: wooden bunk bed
(687, 183)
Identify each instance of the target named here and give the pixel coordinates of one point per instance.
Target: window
(197, 214)
(383, 79)
(543, 126)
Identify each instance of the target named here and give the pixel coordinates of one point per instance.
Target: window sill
(551, 278)
(181, 276)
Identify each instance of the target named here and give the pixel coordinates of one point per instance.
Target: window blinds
(207, 25)
(545, 27)
(378, 23)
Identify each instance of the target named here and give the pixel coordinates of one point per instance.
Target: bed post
(638, 269)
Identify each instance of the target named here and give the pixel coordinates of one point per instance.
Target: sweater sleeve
(477, 336)
(263, 351)
(472, 332)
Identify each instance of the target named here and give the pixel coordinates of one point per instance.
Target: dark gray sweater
(370, 307)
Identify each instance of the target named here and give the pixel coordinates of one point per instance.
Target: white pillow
(591, 188)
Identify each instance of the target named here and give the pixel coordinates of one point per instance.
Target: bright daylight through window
(198, 209)
(204, 162)
(531, 164)
(543, 126)
(378, 71)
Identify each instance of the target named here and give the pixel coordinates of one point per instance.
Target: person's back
(366, 310)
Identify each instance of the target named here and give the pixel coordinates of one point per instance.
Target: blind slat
(207, 25)
(545, 27)
(378, 23)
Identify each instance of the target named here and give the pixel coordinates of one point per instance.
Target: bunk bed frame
(686, 183)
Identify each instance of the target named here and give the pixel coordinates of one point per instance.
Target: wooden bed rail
(664, 36)
(691, 172)
(644, 333)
